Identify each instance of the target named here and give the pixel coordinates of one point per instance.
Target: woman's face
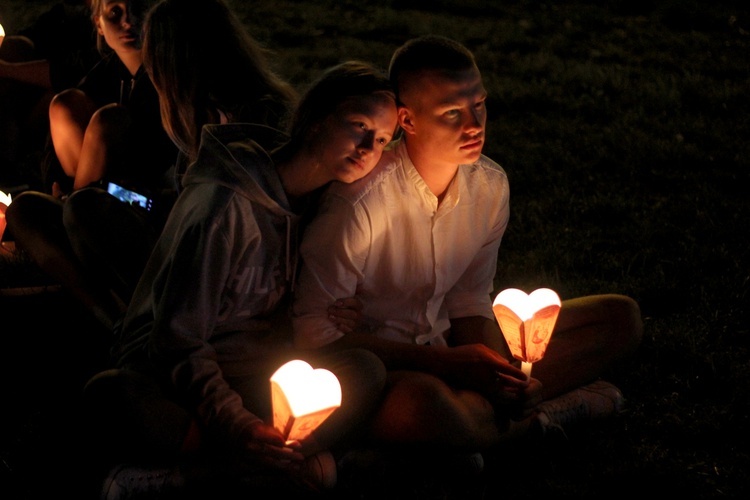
(352, 138)
(119, 22)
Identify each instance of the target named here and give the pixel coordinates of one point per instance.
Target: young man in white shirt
(417, 242)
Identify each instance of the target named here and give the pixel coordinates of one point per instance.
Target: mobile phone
(128, 196)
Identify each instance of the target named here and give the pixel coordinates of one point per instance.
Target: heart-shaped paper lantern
(527, 321)
(302, 398)
(5, 200)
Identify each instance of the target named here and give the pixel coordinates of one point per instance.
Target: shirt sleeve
(470, 296)
(333, 251)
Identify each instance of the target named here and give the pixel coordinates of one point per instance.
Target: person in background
(417, 242)
(208, 322)
(106, 243)
(51, 54)
(182, 45)
(108, 127)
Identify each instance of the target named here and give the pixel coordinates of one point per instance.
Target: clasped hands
(266, 445)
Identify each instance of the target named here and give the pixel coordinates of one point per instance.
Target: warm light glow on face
(447, 117)
(352, 138)
(2, 35)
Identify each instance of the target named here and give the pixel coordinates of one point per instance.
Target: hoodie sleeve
(334, 250)
(189, 299)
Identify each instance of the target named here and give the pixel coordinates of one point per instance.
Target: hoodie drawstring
(291, 262)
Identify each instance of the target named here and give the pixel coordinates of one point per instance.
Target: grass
(623, 126)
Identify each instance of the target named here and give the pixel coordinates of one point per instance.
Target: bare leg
(419, 408)
(103, 144)
(592, 334)
(69, 115)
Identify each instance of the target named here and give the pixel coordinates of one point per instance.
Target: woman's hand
(346, 314)
(267, 446)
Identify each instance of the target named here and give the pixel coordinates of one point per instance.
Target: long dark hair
(203, 61)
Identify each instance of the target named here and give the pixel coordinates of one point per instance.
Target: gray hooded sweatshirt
(206, 314)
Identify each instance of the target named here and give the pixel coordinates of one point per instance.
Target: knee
(63, 104)
(420, 408)
(85, 204)
(362, 376)
(17, 48)
(627, 320)
(28, 208)
(115, 387)
(422, 403)
(369, 370)
(109, 122)
(104, 385)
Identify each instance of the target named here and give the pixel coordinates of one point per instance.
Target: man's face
(444, 116)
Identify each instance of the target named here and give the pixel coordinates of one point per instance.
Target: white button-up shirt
(412, 262)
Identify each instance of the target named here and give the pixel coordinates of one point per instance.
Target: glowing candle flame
(527, 322)
(302, 398)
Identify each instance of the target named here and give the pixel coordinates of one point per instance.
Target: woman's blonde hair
(203, 61)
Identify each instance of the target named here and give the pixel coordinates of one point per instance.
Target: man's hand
(518, 406)
(477, 367)
(531, 397)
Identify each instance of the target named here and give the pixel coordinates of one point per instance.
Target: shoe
(131, 482)
(462, 465)
(320, 470)
(449, 466)
(597, 400)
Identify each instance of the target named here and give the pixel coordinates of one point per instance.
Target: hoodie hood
(237, 156)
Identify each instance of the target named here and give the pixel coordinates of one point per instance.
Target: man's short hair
(428, 53)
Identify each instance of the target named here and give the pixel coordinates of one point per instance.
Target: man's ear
(406, 119)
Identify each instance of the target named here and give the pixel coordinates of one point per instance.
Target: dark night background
(623, 126)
